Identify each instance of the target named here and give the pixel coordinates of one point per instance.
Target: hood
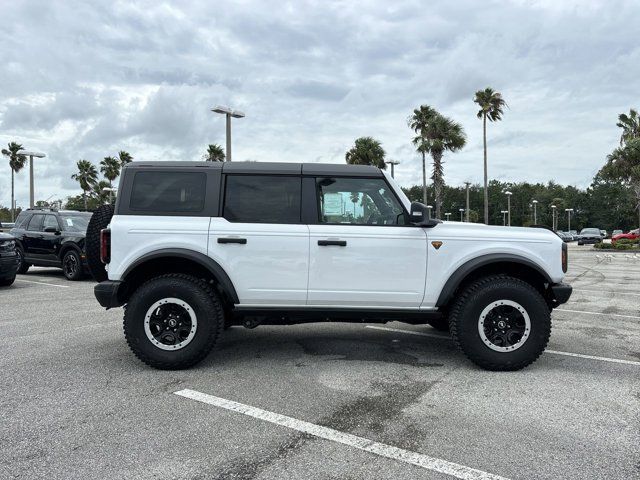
(482, 231)
(6, 236)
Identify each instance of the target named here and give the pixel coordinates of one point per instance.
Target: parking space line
(406, 456)
(42, 283)
(605, 292)
(596, 313)
(554, 352)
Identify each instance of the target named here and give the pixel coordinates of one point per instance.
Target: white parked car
(193, 248)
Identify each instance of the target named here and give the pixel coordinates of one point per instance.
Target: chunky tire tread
(78, 275)
(99, 220)
(24, 266)
(468, 295)
(216, 315)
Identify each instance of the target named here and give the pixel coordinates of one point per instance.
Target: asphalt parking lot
(276, 402)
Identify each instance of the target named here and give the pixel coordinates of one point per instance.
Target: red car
(632, 235)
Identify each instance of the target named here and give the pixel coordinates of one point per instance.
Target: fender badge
(437, 244)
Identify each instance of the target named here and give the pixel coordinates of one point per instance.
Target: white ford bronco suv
(192, 248)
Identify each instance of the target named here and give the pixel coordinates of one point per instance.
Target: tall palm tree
(630, 125)
(110, 168)
(491, 107)
(124, 157)
(366, 151)
(87, 176)
(438, 135)
(623, 165)
(417, 122)
(215, 153)
(16, 162)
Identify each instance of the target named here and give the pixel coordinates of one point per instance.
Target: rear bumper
(107, 294)
(561, 292)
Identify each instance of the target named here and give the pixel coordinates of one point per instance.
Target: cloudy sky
(86, 79)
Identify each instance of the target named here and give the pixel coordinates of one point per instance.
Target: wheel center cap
(172, 322)
(502, 324)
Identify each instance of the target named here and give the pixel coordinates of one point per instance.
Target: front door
(363, 252)
(260, 240)
(50, 240)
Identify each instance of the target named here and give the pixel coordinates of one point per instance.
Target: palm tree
(16, 162)
(124, 158)
(366, 151)
(110, 168)
(87, 176)
(491, 104)
(97, 191)
(623, 165)
(630, 125)
(215, 153)
(417, 122)
(438, 135)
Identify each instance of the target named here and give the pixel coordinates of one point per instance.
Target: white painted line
(430, 463)
(42, 283)
(555, 352)
(596, 313)
(605, 292)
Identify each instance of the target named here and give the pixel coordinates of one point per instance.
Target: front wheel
(500, 323)
(23, 266)
(5, 282)
(72, 265)
(173, 321)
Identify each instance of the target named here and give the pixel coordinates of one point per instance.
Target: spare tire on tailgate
(99, 220)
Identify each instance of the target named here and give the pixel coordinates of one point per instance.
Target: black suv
(8, 260)
(51, 238)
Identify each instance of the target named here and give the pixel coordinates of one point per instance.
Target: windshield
(590, 231)
(76, 222)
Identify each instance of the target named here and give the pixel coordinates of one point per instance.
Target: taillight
(565, 257)
(105, 245)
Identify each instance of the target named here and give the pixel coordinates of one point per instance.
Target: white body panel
(136, 235)
(271, 268)
(379, 266)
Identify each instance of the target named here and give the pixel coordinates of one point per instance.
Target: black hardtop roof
(269, 168)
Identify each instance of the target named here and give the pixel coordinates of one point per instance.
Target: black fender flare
(65, 247)
(207, 262)
(470, 266)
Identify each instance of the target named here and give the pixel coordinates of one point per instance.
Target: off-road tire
(75, 274)
(99, 220)
(465, 313)
(199, 295)
(23, 267)
(5, 282)
(440, 324)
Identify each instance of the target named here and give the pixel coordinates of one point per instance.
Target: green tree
(124, 158)
(630, 125)
(418, 122)
(110, 168)
(87, 177)
(98, 193)
(16, 163)
(623, 165)
(215, 153)
(491, 107)
(366, 151)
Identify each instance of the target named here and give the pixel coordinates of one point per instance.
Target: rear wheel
(23, 266)
(173, 321)
(72, 265)
(500, 323)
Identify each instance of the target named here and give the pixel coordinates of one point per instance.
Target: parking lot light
(504, 217)
(31, 156)
(508, 194)
(448, 215)
(535, 212)
(461, 210)
(554, 227)
(429, 207)
(228, 113)
(568, 210)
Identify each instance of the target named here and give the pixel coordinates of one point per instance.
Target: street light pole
(508, 194)
(504, 217)
(448, 215)
(461, 212)
(31, 155)
(568, 210)
(553, 218)
(467, 184)
(535, 212)
(228, 113)
(393, 163)
(429, 207)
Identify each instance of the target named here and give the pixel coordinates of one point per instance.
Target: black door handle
(338, 243)
(241, 241)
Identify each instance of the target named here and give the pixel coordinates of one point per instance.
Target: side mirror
(419, 215)
(50, 230)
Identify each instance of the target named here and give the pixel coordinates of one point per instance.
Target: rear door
(33, 236)
(363, 251)
(260, 241)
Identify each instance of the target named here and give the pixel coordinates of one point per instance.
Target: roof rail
(45, 209)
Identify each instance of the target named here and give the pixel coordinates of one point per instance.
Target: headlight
(7, 245)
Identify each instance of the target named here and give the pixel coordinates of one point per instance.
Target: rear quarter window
(168, 192)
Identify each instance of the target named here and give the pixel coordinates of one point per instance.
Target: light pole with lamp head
(535, 212)
(504, 217)
(31, 156)
(467, 185)
(448, 215)
(228, 113)
(111, 190)
(508, 194)
(461, 210)
(553, 218)
(429, 207)
(568, 210)
(393, 163)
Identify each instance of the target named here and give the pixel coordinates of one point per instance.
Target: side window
(35, 224)
(168, 192)
(262, 199)
(358, 201)
(21, 221)
(50, 221)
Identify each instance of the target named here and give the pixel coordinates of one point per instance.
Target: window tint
(77, 222)
(262, 199)
(358, 201)
(35, 223)
(50, 221)
(168, 192)
(21, 221)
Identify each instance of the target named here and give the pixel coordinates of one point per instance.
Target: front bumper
(589, 240)
(561, 292)
(8, 265)
(107, 294)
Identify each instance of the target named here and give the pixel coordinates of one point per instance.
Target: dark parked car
(589, 235)
(51, 238)
(8, 260)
